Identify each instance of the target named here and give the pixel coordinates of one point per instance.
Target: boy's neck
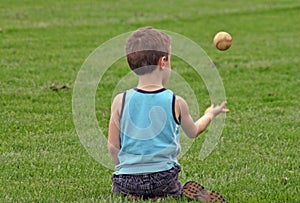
(150, 87)
(149, 82)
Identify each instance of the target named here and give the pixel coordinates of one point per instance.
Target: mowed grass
(43, 45)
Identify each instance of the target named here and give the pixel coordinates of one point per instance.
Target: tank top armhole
(174, 110)
(123, 103)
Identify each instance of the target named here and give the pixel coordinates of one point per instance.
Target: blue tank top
(149, 132)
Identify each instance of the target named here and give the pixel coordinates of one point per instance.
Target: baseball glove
(195, 191)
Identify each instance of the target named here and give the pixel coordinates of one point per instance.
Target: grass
(43, 44)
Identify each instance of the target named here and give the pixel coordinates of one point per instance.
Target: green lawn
(43, 45)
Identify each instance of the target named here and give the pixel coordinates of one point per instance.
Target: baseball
(222, 40)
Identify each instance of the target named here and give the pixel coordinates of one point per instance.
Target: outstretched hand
(215, 110)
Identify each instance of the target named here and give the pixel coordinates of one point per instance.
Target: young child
(144, 126)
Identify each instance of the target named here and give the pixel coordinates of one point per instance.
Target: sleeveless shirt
(149, 132)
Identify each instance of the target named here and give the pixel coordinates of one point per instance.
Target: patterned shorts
(150, 185)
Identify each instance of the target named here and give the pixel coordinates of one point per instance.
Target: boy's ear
(162, 61)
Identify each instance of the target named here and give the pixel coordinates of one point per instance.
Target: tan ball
(222, 40)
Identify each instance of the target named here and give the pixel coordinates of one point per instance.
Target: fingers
(225, 110)
(217, 109)
(223, 104)
(221, 108)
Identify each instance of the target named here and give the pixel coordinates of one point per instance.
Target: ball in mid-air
(222, 40)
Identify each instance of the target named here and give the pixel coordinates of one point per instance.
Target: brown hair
(144, 48)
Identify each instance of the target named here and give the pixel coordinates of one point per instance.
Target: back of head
(144, 48)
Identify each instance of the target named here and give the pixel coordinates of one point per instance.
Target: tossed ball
(222, 40)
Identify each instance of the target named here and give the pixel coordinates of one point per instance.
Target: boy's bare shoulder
(119, 96)
(117, 103)
(118, 99)
(180, 100)
(181, 105)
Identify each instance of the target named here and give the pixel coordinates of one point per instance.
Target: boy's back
(149, 132)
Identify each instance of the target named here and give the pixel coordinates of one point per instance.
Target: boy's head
(145, 47)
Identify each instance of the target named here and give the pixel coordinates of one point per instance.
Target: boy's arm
(114, 129)
(191, 128)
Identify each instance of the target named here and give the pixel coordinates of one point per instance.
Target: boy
(144, 126)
